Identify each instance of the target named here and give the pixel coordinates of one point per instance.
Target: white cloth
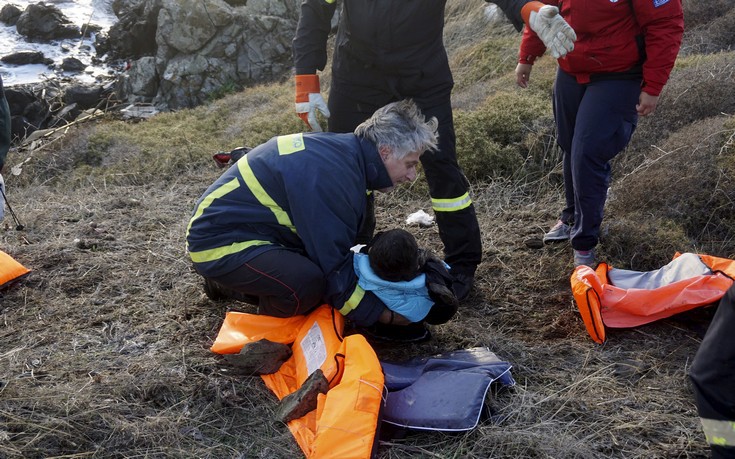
(316, 102)
(686, 266)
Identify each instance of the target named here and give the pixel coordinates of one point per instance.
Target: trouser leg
(448, 187)
(566, 99)
(285, 283)
(605, 121)
(712, 374)
(345, 115)
(451, 201)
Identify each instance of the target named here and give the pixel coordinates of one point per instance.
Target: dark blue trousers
(459, 231)
(594, 123)
(283, 282)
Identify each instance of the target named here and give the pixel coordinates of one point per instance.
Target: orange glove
(308, 100)
(551, 28)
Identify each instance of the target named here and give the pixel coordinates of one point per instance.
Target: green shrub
(508, 136)
(689, 181)
(642, 242)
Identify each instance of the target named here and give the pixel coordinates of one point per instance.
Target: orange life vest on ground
(623, 299)
(345, 422)
(10, 270)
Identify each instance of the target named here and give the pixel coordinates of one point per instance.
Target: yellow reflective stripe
(288, 144)
(261, 195)
(720, 433)
(220, 252)
(352, 301)
(206, 202)
(451, 205)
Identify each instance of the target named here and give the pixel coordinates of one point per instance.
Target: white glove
(309, 99)
(2, 197)
(308, 110)
(553, 30)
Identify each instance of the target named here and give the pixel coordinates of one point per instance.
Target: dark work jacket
(382, 39)
(303, 192)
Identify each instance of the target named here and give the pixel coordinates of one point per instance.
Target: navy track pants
(594, 123)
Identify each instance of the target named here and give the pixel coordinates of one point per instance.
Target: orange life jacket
(602, 304)
(10, 270)
(345, 422)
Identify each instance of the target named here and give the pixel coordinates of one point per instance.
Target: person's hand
(523, 74)
(439, 284)
(551, 28)
(389, 317)
(646, 104)
(309, 99)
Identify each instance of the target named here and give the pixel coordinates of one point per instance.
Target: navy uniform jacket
(304, 192)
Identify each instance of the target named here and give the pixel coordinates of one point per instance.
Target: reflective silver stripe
(261, 195)
(720, 433)
(452, 204)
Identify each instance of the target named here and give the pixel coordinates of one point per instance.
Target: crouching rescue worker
(277, 227)
(712, 375)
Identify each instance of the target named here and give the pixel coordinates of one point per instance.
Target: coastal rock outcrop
(199, 47)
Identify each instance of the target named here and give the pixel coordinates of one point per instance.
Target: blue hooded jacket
(408, 298)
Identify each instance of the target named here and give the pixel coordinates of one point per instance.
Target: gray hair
(402, 127)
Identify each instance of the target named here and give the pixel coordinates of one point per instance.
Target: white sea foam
(79, 12)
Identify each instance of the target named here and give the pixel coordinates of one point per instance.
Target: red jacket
(610, 37)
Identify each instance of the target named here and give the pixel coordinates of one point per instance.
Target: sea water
(78, 12)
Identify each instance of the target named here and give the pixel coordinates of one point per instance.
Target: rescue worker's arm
(326, 202)
(663, 27)
(310, 55)
(365, 309)
(531, 48)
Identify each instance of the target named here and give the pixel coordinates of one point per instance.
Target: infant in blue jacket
(411, 281)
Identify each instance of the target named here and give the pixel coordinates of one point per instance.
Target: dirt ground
(105, 346)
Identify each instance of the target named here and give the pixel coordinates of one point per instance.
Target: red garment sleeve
(662, 22)
(531, 45)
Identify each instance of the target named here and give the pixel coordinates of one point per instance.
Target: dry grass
(104, 348)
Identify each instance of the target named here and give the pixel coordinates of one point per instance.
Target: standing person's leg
(605, 123)
(566, 99)
(452, 204)
(347, 110)
(712, 374)
(284, 282)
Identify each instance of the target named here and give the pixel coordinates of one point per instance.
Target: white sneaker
(560, 232)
